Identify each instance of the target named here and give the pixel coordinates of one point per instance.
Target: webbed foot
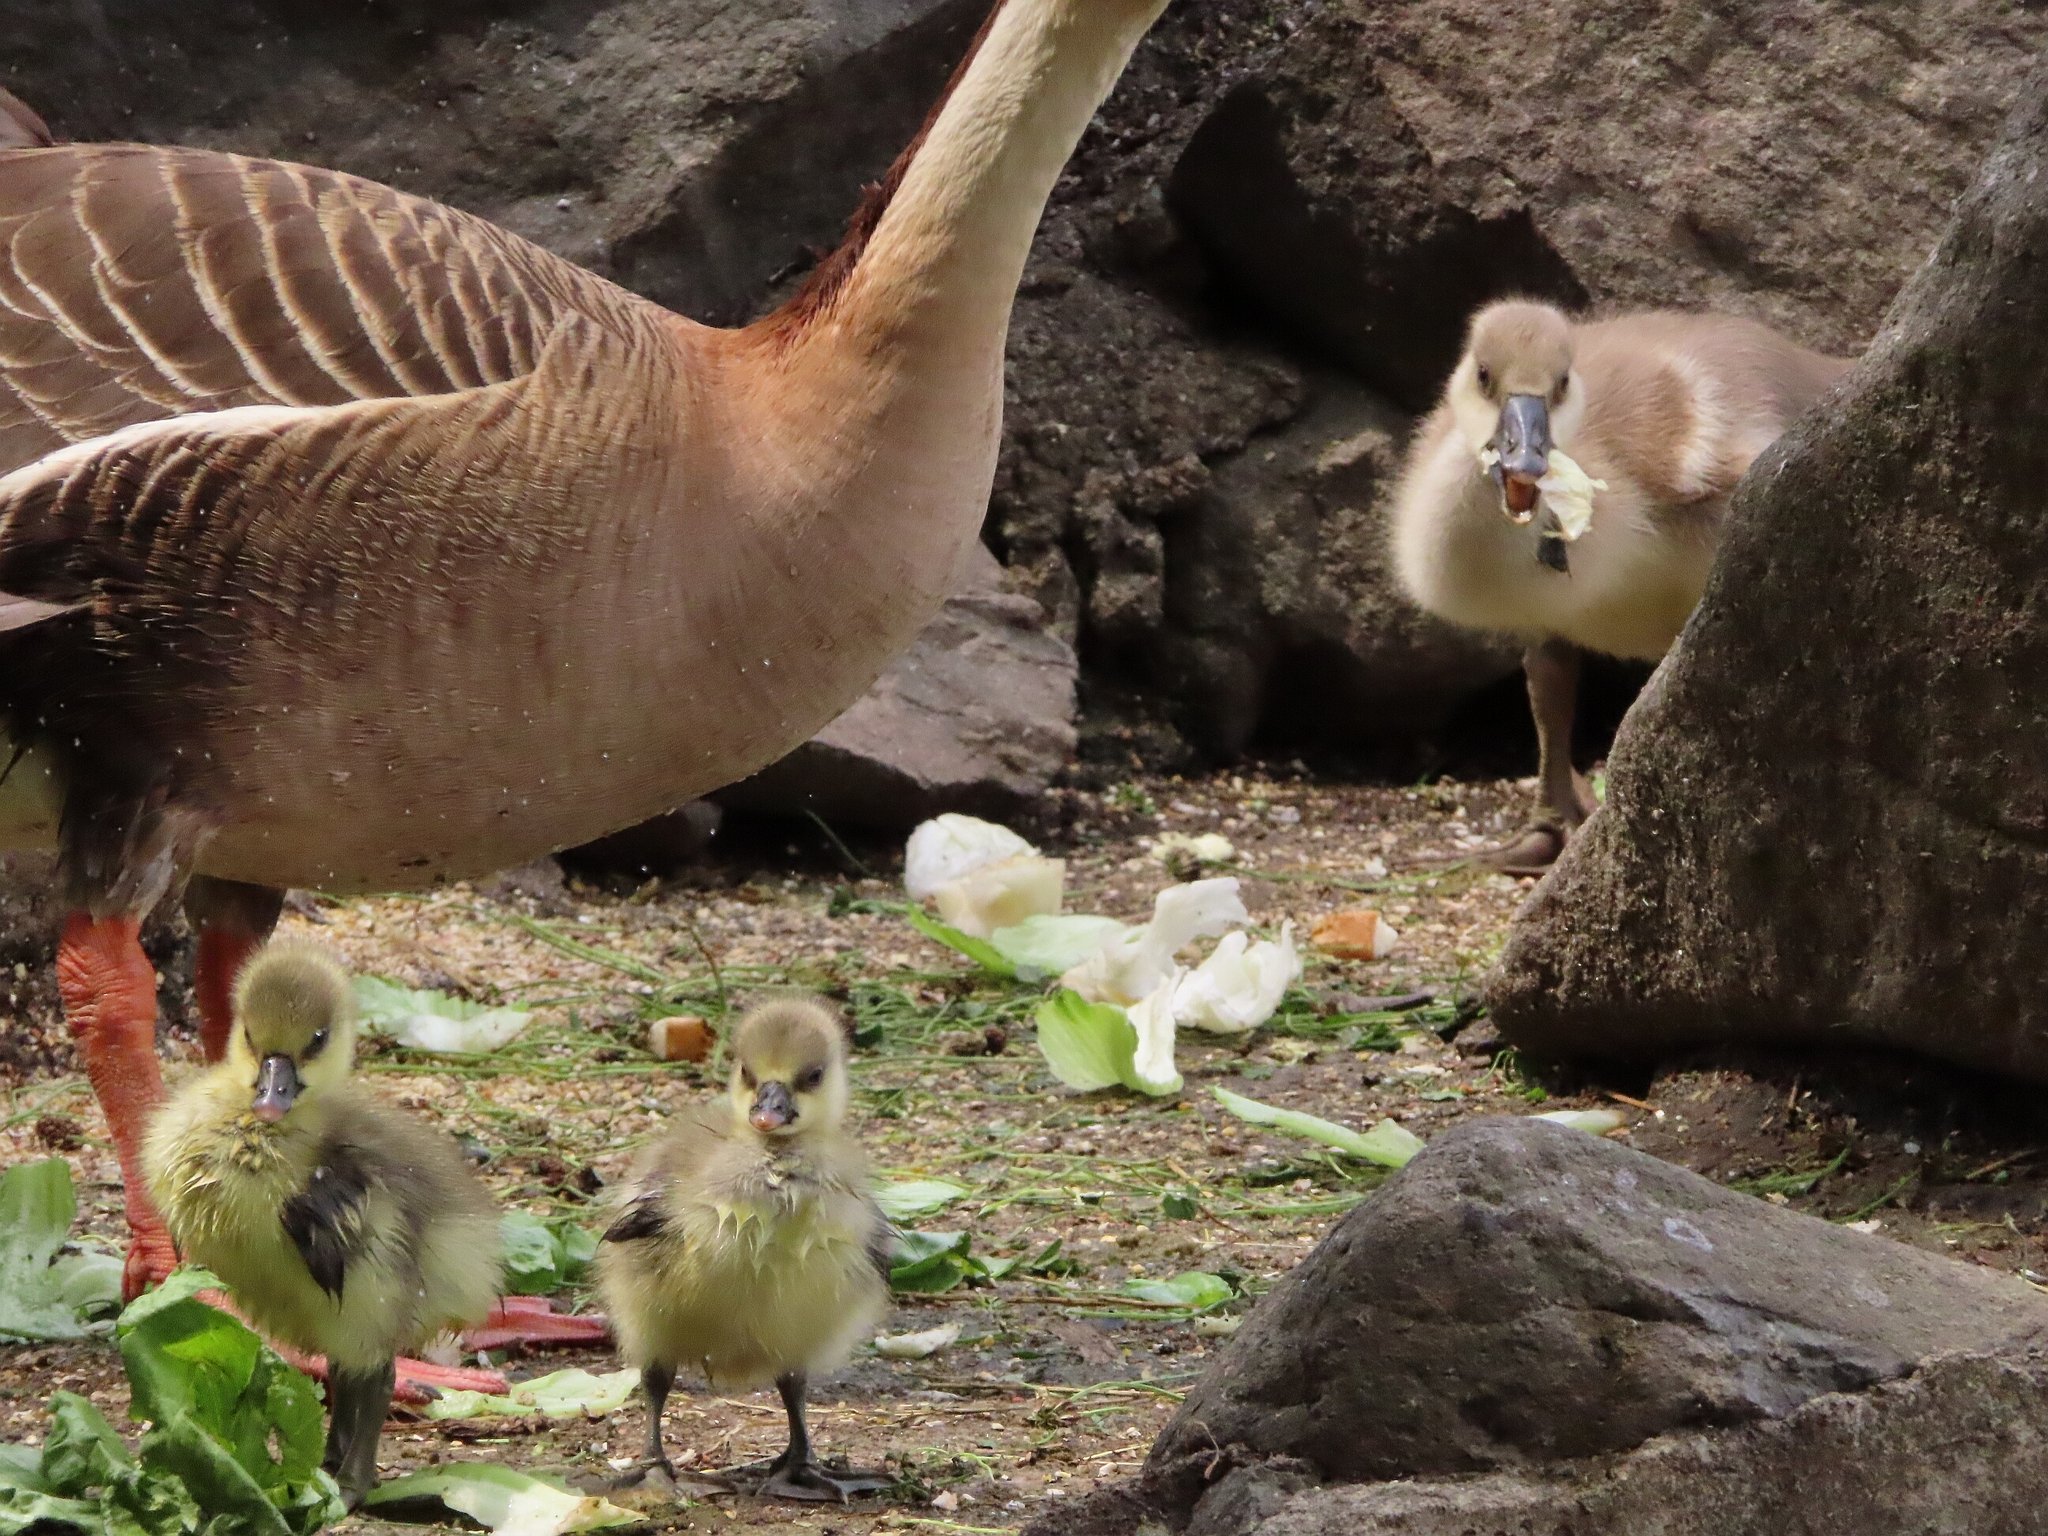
(533, 1321)
(813, 1483)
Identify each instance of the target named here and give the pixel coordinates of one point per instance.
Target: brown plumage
(1670, 410)
(351, 542)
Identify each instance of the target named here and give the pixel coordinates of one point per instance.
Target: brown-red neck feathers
(831, 274)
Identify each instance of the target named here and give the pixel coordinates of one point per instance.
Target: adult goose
(350, 542)
(1661, 413)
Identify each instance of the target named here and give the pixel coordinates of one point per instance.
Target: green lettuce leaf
(1386, 1143)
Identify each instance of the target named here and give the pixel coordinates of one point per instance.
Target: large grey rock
(1960, 1448)
(1314, 195)
(1826, 818)
(1523, 1292)
(694, 149)
(1532, 1313)
(1420, 156)
(978, 716)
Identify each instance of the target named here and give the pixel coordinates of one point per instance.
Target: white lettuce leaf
(1240, 985)
(950, 847)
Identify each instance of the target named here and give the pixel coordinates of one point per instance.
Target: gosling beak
(1523, 443)
(277, 1088)
(773, 1108)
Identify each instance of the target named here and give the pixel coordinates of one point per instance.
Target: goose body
(350, 542)
(748, 1245)
(1668, 410)
(341, 1226)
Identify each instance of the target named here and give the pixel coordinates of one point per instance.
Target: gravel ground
(1058, 1380)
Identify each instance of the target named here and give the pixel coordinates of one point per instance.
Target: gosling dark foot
(813, 1483)
(1529, 852)
(633, 1477)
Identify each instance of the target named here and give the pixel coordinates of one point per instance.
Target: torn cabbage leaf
(950, 847)
(1566, 489)
(1153, 1018)
(1568, 492)
(1132, 966)
(917, 1346)
(1003, 894)
(1240, 985)
(1389, 1144)
(434, 1021)
(1047, 946)
(1091, 1046)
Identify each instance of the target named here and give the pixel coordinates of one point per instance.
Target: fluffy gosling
(750, 1245)
(341, 1226)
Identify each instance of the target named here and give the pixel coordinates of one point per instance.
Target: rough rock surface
(1552, 1325)
(1826, 822)
(1960, 1448)
(978, 717)
(1532, 1292)
(1288, 624)
(1417, 155)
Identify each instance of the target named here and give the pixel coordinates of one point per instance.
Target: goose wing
(279, 504)
(140, 282)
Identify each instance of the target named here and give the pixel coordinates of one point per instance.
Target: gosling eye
(810, 1080)
(1485, 379)
(747, 1076)
(1557, 394)
(317, 1044)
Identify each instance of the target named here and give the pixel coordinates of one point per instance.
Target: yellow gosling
(341, 1226)
(749, 1245)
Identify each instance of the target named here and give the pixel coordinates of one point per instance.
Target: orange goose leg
(109, 992)
(218, 962)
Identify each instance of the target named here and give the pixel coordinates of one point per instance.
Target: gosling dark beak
(773, 1108)
(1522, 440)
(277, 1088)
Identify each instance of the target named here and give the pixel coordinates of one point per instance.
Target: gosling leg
(796, 1474)
(1563, 798)
(357, 1402)
(655, 1383)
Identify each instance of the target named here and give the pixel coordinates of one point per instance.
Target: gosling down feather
(749, 1245)
(350, 542)
(1660, 414)
(340, 1226)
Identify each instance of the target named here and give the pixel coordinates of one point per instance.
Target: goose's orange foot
(420, 1381)
(531, 1321)
(151, 1256)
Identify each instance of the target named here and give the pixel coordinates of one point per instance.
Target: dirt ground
(1058, 1381)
